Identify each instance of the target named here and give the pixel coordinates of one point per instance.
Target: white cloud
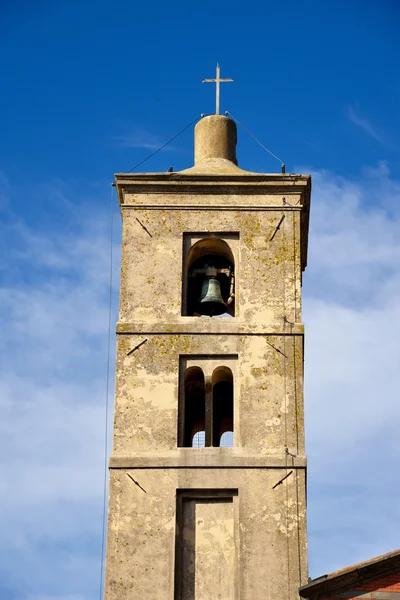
(52, 597)
(53, 318)
(53, 348)
(365, 125)
(142, 139)
(57, 597)
(351, 312)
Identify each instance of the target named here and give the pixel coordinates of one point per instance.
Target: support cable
(255, 139)
(103, 536)
(296, 317)
(164, 145)
(287, 322)
(285, 399)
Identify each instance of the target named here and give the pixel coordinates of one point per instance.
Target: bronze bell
(210, 302)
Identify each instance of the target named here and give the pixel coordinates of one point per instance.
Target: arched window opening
(210, 279)
(222, 385)
(199, 439)
(194, 408)
(226, 440)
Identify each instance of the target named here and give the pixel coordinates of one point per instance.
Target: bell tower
(208, 471)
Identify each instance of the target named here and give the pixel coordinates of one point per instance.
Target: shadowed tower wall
(208, 472)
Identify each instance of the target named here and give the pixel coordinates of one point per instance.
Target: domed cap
(215, 140)
(215, 137)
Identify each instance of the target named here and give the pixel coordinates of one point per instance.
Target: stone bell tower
(208, 472)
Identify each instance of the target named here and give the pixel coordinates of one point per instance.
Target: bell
(210, 302)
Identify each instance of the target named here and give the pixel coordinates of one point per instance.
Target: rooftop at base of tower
(215, 139)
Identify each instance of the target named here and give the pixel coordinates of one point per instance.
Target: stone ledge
(208, 207)
(196, 326)
(277, 180)
(204, 458)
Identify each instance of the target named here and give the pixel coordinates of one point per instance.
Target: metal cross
(217, 80)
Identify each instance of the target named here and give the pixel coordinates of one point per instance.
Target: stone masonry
(209, 523)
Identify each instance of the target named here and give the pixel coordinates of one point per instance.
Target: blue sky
(89, 89)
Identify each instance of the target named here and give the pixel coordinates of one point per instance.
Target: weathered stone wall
(267, 465)
(142, 529)
(268, 402)
(268, 272)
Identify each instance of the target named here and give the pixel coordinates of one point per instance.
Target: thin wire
(298, 525)
(296, 311)
(296, 400)
(284, 325)
(103, 537)
(166, 144)
(287, 527)
(254, 138)
(285, 394)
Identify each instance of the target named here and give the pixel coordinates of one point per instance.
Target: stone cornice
(274, 179)
(206, 458)
(208, 207)
(281, 185)
(178, 183)
(196, 326)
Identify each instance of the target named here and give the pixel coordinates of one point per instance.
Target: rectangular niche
(206, 545)
(222, 250)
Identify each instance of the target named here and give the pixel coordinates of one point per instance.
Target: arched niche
(210, 285)
(194, 408)
(222, 390)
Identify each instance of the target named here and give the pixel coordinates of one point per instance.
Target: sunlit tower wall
(208, 469)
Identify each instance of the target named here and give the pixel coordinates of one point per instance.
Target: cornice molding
(196, 326)
(208, 207)
(205, 458)
(284, 185)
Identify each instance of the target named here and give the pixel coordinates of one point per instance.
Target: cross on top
(217, 81)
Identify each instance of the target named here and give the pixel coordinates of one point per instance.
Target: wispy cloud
(55, 597)
(351, 307)
(366, 125)
(53, 319)
(141, 139)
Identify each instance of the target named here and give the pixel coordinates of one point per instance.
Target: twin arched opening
(194, 408)
(222, 401)
(207, 408)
